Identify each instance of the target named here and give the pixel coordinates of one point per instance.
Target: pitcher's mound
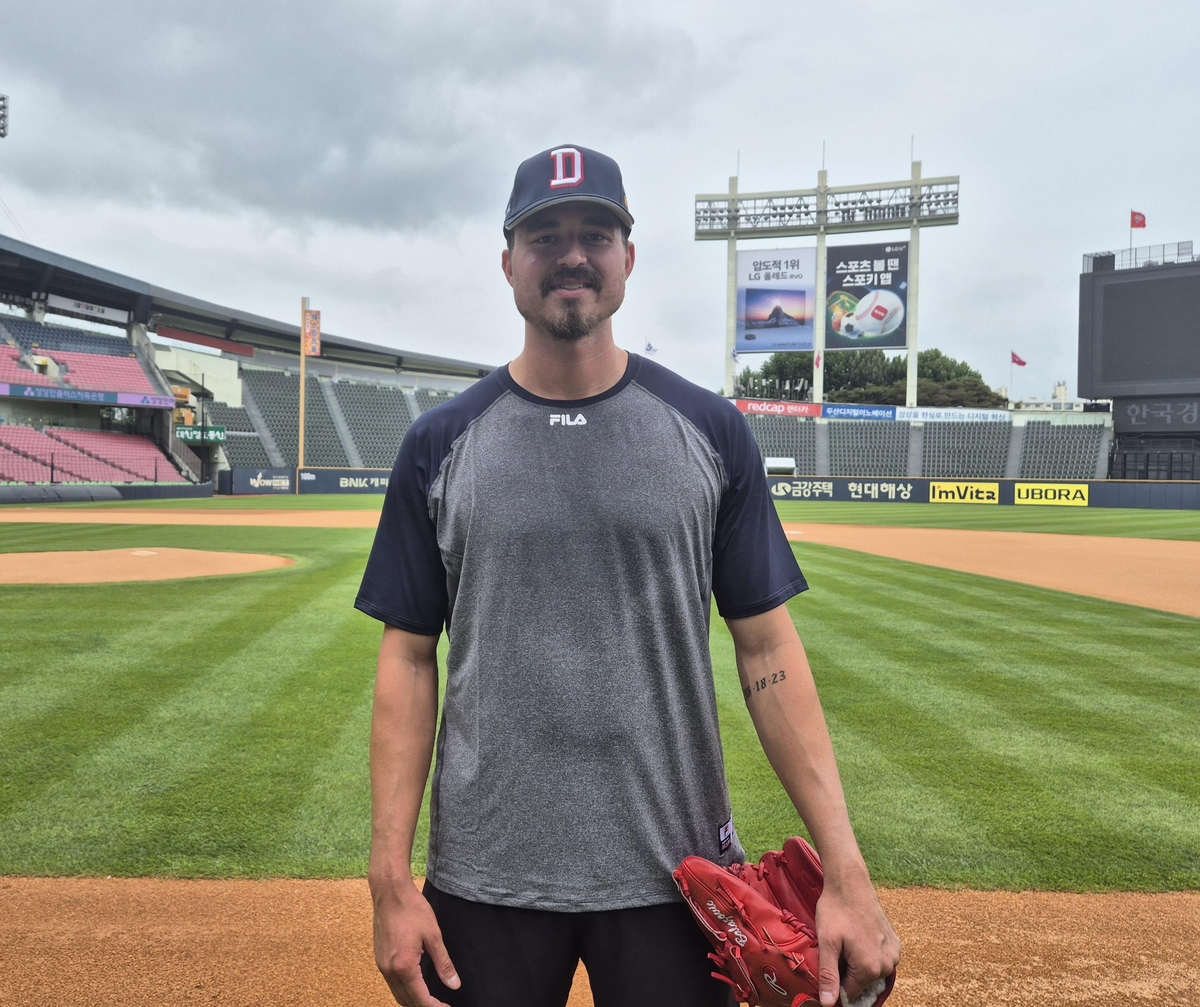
(110, 566)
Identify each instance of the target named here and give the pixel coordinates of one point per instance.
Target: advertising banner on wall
(776, 299)
(344, 480)
(866, 296)
(764, 407)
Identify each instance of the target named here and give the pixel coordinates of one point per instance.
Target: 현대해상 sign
(776, 299)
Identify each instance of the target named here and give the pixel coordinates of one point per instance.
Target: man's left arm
(782, 698)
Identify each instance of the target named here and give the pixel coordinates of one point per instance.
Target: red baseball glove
(761, 920)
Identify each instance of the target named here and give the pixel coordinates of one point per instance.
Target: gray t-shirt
(570, 549)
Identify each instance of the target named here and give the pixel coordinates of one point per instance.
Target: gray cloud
(366, 113)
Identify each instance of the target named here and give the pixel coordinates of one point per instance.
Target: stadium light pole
(878, 206)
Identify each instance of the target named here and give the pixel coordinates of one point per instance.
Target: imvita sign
(964, 493)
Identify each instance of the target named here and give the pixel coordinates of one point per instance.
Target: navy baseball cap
(566, 175)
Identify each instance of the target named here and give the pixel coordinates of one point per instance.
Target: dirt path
(1151, 573)
(111, 566)
(157, 943)
(211, 518)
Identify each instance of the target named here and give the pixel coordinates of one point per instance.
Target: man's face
(567, 268)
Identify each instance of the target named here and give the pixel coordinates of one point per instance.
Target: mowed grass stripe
(1122, 523)
(990, 734)
(937, 676)
(87, 777)
(207, 742)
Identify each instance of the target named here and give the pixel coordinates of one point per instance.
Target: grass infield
(990, 734)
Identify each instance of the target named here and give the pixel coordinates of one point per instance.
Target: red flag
(1136, 219)
(1017, 360)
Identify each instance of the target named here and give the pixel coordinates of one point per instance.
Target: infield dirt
(143, 942)
(110, 566)
(1152, 573)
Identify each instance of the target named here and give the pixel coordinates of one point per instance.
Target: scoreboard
(1139, 331)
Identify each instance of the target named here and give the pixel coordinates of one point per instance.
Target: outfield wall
(1001, 492)
(281, 482)
(18, 493)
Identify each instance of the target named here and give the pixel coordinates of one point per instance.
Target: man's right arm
(403, 727)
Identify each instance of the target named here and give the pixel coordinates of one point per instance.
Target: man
(567, 520)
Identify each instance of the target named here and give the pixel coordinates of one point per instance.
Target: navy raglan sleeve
(405, 581)
(754, 569)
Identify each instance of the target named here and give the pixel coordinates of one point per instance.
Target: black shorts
(509, 957)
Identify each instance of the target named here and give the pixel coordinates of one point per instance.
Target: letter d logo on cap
(561, 179)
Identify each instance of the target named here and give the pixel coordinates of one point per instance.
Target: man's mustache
(586, 275)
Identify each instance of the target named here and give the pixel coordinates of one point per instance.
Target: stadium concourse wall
(1174, 495)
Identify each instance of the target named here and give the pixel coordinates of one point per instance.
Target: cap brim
(621, 213)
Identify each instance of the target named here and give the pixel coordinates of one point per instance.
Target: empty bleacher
(135, 455)
(965, 450)
(427, 398)
(1060, 451)
(868, 448)
(277, 395)
(786, 437)
(36, 336)
(11, 371)
(96, 372)
(243, 448)
(64, 455)
(378, 417)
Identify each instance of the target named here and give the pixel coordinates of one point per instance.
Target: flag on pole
(1017, 360)
(1136, 219)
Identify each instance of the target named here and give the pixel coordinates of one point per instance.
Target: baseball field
(1022, 761)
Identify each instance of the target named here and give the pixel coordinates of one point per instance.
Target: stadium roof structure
(29, 274)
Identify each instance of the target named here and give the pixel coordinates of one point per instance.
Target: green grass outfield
(990, 734)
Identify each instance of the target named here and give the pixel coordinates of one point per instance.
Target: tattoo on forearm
(759, 684)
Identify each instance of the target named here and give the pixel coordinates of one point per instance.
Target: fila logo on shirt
(568, 167)
(565, 420)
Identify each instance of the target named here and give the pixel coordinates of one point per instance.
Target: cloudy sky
(361, 152)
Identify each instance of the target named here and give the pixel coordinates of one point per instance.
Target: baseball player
(566, 521)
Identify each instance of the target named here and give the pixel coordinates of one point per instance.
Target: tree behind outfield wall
(871, 376)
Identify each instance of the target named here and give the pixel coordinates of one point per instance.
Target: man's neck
(556, 369)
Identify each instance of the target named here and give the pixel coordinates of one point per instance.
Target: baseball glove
(761, 920)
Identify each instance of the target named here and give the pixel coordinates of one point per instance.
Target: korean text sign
(776, 299)
(866, 296)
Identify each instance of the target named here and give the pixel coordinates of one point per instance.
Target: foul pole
(303, 384)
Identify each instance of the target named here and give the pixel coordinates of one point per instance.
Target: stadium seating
(868, 448)
(1060, 451)
(277, 394)
(34, 335)
(135, 455)
(427, 398)
(965, 450)
(378, 417)
(92, 372)
(64, 455)
(786, 437)
(11, 372)
(243, 449)
(15, 468)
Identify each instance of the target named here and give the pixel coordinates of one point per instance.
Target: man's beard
(574, 322)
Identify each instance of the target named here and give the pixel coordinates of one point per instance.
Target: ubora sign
(1051, 494)
(964, 493)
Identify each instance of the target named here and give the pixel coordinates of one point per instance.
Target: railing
(68, 467)
(1135, 258)
(188, 459)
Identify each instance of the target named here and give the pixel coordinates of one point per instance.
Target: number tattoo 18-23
(759, 684)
